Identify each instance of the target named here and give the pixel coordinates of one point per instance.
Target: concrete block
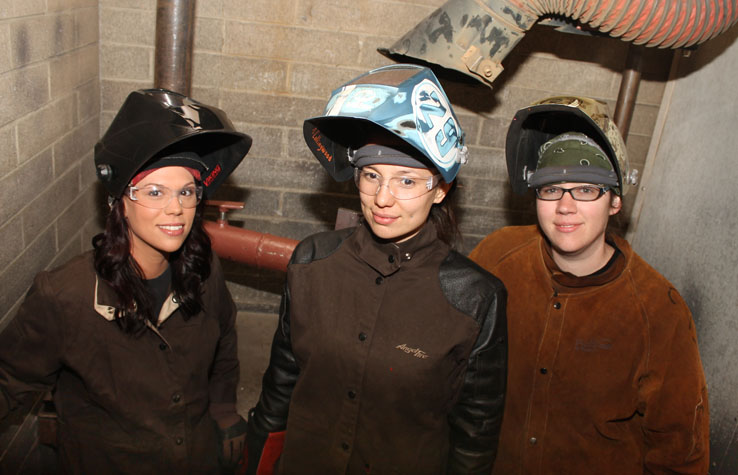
(266, 11)
(375, 17)
(6, 60)
(209, 33)
(637, 146)
(477, 222)
(209, 9)
(8, 150)
(257, 202)
(493, 194)
(126, 62)
(293, 175)
(494, 131)
(319, 80)
(19, 8)
(267, 141)
(40, 37)
(133, 4)
(69, 70)
(469, 98)
(86, 24)
(25, 90)
(287, 43)
(114, 92)
(319, 207)
(486, 163)
(644, 119)
(136, 27)
(73, 219)
(18, 276)
(70, 149)
(272, 109)
(57, 5)
(11, 235)
(296, 147)
(47, 205)
(240, 73)
(88, 101)
(39, 129)
(20, 187)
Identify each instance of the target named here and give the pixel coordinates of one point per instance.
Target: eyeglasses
(401, 187)
(579, 193)
(159, 197)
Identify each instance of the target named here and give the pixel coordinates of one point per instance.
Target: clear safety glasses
(159, 197)
(579, 193)
(401, 187)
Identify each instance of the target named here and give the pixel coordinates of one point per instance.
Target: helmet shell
(153, 121)
(543, 120)
(404, 99)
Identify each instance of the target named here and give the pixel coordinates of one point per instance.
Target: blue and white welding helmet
(404, 99)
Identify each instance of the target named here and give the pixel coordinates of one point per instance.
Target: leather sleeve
(270, 413)
(476, 418)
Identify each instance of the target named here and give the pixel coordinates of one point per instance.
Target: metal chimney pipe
(628, 90)
(173, 52)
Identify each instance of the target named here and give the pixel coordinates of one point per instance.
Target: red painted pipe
(661, 23)
(260, 250)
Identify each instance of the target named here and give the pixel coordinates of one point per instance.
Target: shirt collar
(388, 257)
(105, 297)
(601, 277)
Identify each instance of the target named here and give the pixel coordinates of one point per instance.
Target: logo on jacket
(416, 352)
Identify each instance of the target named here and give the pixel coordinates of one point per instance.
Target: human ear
(441, 191)
(616, 204)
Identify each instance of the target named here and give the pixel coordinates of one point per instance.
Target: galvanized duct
(175, 26)
(473, 36)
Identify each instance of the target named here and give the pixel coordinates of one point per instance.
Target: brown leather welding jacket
(126, 404)
(388, 359)
(604, 371)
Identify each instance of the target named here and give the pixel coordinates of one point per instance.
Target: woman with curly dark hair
(136, 337)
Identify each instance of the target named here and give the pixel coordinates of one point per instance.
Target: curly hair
(190, 266)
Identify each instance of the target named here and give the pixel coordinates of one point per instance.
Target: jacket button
(532, 441)
(176, 397)
(362, 336)
(391, 259)
(162, 346)
(544, 371)
(557, 305)
(351, 394)
(379, 280)
(344, 446)
(178, 441)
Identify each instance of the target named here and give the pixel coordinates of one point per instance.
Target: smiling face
(576, 230)
(155, 233)
(399, 220)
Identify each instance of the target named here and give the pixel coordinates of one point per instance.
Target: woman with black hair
(390, 354)
(137, 338)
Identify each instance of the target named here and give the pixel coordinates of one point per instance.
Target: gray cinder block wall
(49, 121)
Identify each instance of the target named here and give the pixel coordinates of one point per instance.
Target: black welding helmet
(153, 123)
(537, 124)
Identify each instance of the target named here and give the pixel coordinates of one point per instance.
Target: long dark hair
(444, 219)
(190, 267)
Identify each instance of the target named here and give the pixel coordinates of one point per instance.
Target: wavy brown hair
(190, 266)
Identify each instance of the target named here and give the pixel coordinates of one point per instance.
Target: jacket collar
(568, 280)
(388, 257)
(105, 303)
